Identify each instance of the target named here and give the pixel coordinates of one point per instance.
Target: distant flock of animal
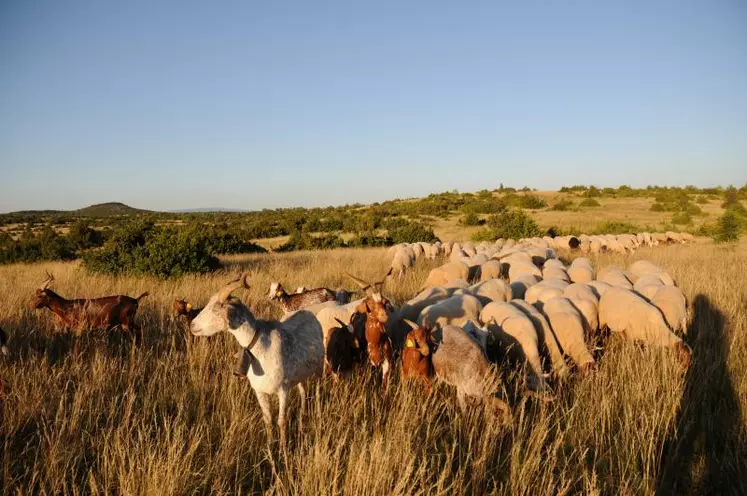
(492, 302)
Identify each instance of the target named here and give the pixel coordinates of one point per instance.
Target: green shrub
(592, 192)
(657, 207)
(513, 224)
(681, 218)
(471, 219)
(728, 227)
(589, 202)
(562, 206)
(616, 227)
(413, 233)
(141, 248)
(702, 200)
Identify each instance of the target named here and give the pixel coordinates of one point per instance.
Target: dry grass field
(166, 416)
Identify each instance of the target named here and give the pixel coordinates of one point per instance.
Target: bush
(616, 227)
(589, 202)
(413, 233)
(728, 227)
(513, 224)
(140, 248)
(702, 200)
(657, 207)
(471, 219)
(562, 206)
(681, 218)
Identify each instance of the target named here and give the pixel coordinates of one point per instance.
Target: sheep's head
(276, 291)
(43, 293)
(419, 338)
(222, 312)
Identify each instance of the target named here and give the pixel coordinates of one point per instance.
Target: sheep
(296, 301)
(553, 273)
(586, 302)
(517, 329)
(416, 356)
(459, 361)
(445, 273)
(281, 355)
(599, 288)
(490, 270)
(519, 286)
(581, 270)
(624, 312)
(401, 261)
(519, 268)
(648, 285)
(568, 326)
(532, 294)
(491, 290)
(342, 350)
(673, 306)
(546, 336)
(614, 276)
(644, 267)
(457, 310)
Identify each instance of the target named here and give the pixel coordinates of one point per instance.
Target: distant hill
(109, 210)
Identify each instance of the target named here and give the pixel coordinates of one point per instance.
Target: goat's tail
(142, 296)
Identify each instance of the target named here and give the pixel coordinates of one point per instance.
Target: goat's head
(419, 338)
(276, 291)
(374, 304)
(222, 312)
(43, 294)
(182, 307)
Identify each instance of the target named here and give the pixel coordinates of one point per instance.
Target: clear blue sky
(250, 104)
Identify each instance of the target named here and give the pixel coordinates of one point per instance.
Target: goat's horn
(47, 281)
(360, 282)
(411, 323)
(381, 283)
(232, 286)
(342, 324)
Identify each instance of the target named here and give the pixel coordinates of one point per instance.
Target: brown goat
(83, 314)
(375, 306)
(297, 301)
(183, 307)
(341, 354)
(416, 355)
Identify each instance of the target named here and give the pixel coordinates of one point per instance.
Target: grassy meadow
(167, 416)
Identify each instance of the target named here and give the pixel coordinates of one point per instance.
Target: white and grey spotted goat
(292, 302)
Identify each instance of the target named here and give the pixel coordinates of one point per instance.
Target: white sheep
(445, 273)
(547, 339)
(491, 290)
(673, 306)
(627, 313)
(456, 310)
(614, 276)
(568, 325)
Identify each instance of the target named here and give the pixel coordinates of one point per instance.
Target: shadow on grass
(707, 455)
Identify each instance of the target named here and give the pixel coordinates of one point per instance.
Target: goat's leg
(302, 392)
(385, 372)
(283, 406)
(264, 404)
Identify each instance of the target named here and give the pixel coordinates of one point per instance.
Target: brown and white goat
(376, 309)
(297, 301)
(416, 355)
(83, 314)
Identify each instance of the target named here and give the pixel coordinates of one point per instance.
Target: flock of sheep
(490, 302)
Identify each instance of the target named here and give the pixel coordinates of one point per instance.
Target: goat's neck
(246, 332)
(374, 328)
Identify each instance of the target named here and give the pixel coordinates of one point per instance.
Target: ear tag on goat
(410, 343)
(189, 307)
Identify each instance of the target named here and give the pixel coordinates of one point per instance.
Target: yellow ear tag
(279, 293)
(189, 307)
(410, 343)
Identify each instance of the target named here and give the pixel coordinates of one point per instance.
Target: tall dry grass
(168, 417)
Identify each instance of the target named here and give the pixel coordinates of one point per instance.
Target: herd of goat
(507, 300)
